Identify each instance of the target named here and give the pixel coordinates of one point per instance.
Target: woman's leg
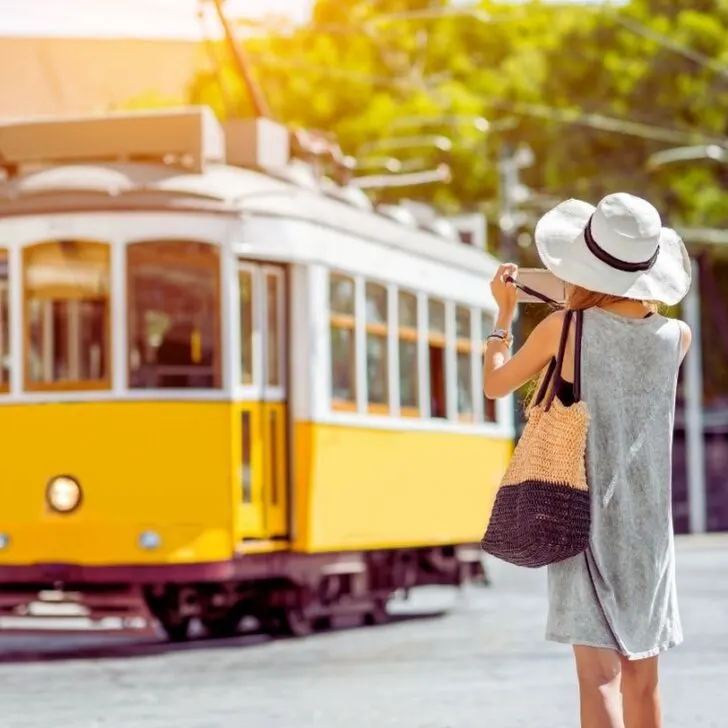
(640, 693)
(599, 673)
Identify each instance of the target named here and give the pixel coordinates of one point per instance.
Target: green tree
(657, 65)
(594, 92)
(362, 76)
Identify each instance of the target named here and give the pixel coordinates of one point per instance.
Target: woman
(616, 603)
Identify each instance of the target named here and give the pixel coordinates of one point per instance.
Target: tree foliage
(535, 71)
(593, 90)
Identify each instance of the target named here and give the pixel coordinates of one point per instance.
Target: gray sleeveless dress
(620, 593)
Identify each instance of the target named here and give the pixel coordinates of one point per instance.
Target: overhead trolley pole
(257, 98)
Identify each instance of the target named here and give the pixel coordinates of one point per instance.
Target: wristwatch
(501, 335)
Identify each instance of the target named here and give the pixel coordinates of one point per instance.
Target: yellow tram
(227, 388)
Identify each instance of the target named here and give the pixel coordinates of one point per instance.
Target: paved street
(483, 664)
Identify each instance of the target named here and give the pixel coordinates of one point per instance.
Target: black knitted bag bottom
(534, 524)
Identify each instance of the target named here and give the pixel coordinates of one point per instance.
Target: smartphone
(543, 281)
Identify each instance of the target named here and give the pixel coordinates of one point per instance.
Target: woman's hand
(505, 294)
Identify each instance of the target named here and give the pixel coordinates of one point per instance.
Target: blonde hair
(580, 299)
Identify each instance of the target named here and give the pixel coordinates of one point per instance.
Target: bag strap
(560, 355)
(578, 315)
(545, 383)
(577, 354)
(554, 368)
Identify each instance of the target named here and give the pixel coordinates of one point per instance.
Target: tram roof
(218, 188)
(185, 160)
(228, 186)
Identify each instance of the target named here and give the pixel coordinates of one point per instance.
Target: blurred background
(245, 249)
(483, 113)
(525, 103)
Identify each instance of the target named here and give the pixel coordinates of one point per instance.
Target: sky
(173, 19)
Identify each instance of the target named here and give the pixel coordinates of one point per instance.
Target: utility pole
(694, 426)
(694, 411)
(508, 182)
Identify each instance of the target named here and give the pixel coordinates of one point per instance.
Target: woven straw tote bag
(541, 513)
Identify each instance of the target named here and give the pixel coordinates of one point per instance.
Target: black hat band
(598, 252)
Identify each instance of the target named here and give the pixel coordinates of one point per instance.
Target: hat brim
(559, 238)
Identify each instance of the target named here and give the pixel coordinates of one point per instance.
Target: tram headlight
(64, 494)
(4, 541)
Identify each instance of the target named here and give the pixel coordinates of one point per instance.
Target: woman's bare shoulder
(548, 331)
(556, 317)
(553, 323)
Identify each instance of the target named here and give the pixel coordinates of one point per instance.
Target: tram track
(57, 646)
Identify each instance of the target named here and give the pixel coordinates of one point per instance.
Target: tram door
(264, 411)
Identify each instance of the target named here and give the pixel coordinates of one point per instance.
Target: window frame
(80, 385)
(255, 361)
(464, 345)
(277, 389)
(347, 322)
(6, 336)
(445, 339)
(412, 335)
(382, 331)
(219, 325)
(259, 386)
(438, 339)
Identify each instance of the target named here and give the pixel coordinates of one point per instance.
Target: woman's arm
(503, 374)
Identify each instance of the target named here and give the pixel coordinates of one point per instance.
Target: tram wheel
(322, 624)
(378, 614)
(289, 622)
(177, 630)
(225, 625)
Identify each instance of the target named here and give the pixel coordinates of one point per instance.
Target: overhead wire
(669, 43)
(601, 122)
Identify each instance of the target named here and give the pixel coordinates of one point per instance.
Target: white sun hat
(618, 247)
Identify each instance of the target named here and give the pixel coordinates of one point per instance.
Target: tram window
(464, 369)
(67, 309)
(343, 341)
(489, 405)
(246, 326)
(174, 322)
(4, 324)
(274, 294)
(436, 344)
(436, 313)
(376, 332)
(408, 370)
